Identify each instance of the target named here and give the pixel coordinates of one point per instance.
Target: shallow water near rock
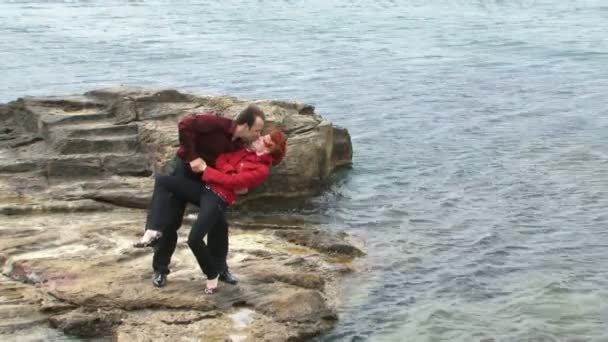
(479, 131)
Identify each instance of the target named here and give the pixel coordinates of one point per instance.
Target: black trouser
(166, 212)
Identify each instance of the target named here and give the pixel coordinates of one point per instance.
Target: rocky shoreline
(73, 172)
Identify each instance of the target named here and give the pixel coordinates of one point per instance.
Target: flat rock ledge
(74, 174)
(78, 273)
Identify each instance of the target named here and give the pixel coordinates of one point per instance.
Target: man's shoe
(228, 277)
(159, 279)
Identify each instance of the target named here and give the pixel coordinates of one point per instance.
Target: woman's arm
(243, 179)
(221, 160)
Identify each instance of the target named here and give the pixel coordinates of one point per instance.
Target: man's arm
(220, 163)
(241, 180)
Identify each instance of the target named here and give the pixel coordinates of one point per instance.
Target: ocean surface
(479, 127)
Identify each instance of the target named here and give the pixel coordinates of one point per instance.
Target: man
(202, 138)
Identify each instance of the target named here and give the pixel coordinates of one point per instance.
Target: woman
(236, 170)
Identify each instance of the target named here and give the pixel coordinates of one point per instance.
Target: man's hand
(198, 165)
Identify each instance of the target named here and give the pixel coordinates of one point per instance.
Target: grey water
(479, 127)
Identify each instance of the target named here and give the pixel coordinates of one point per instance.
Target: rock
(159, 143)
(78, 167)
(343, 150)
(297, 306)
(189, 317)
(19, 140)
(110, 144)
(85, 260)
(86, 323)
(259, 253)
(23, 166)
(124, 110)
(319, 240)
(54, 207)
(88, 136)
(148, 325)
(56, 307)
(123, 198)
(137, 94)
(127, 192)
(67, 225)
(127, 165)
(16, 116)
(304, 280)
(19, 310)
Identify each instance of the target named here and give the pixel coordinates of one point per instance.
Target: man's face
(254, 131)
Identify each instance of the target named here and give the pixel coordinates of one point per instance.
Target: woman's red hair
(278, 150)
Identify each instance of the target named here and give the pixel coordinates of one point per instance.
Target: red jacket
(237, 170)
(206, 136)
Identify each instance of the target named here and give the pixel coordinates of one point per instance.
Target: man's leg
(182, 190)
(166, 214)
(173, 207)
(163, 251)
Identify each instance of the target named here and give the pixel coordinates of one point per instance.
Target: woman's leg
(210, 212)
(217, 239)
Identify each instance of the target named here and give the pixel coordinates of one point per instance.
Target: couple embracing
(218, 159)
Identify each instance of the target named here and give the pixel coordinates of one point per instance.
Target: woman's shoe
(149, 239)
(209, 290)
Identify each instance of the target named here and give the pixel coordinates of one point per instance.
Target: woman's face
(263, 144)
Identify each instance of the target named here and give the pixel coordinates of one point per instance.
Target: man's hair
(248, 115)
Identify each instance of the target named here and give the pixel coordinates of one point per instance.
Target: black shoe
(159, 279)
(228, 277)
